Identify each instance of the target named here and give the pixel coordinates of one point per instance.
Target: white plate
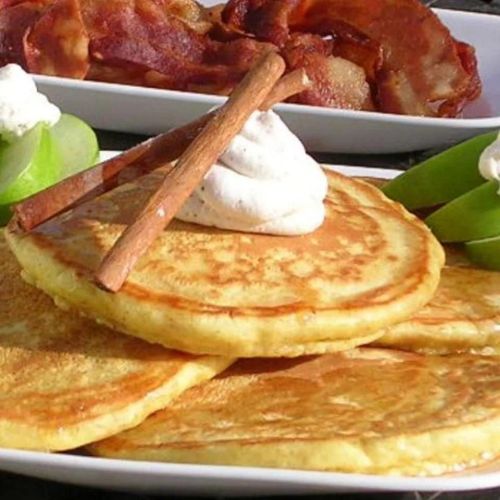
(205, 480)
(153, 477)
(151, 111)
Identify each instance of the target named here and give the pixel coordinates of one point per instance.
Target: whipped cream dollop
(264, 182)
(21, 105)
(489, 162)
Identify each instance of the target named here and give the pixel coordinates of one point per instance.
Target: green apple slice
(27, 165)
(77, 144)
(472, 216)
(485, 253)
(441, 178)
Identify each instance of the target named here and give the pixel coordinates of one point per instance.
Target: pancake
(366, 410)
(65, 381)
(204, 290)
(463, 315)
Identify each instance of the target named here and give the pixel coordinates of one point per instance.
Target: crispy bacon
(135, 26)
(191, 13)
(178, 73)
(396, 94)
(11, 3)
(409, 56)
(421, 62)
(337, 82)
(15, 22)
(453, 107)
(354, 45)
(170, 53)
(234, 13)
(238, 53)
(128, 74)
(141, 37)
(391, 55)
(143, 20)
(57, 43)
(267, 19)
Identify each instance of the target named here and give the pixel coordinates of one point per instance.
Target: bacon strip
(421, 62)
(411, 61)
(397, 48)
(11, 3)
(191, 13)
(353, 45)
(266, 19)
(170, 53)
(15, 22)
(453, 107)
(57, 44)
(336, 82)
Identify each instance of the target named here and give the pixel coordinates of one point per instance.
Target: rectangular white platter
(150, 111)
(186, 479)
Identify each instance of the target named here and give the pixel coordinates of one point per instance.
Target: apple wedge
(76, 143)
(27, 165)
(42, 157)
(441, 178)
(485, 253)
(472, 216)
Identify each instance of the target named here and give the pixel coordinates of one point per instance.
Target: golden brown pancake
(463, 316)
(204, 290)
(65, 381)
(366, 410)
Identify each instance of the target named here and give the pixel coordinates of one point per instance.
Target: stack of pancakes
(424, 400)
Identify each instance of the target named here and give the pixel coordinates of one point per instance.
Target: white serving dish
(185, 479)
(150, 111)
(205, 480)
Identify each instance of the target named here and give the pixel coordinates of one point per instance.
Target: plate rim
(289, 477)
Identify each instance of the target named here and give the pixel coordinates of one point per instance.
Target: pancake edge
(29, 437)
(432, 453)
(303, 328)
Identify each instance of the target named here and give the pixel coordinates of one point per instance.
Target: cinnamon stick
(288, 85)
(193, 164)
(133, 163)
